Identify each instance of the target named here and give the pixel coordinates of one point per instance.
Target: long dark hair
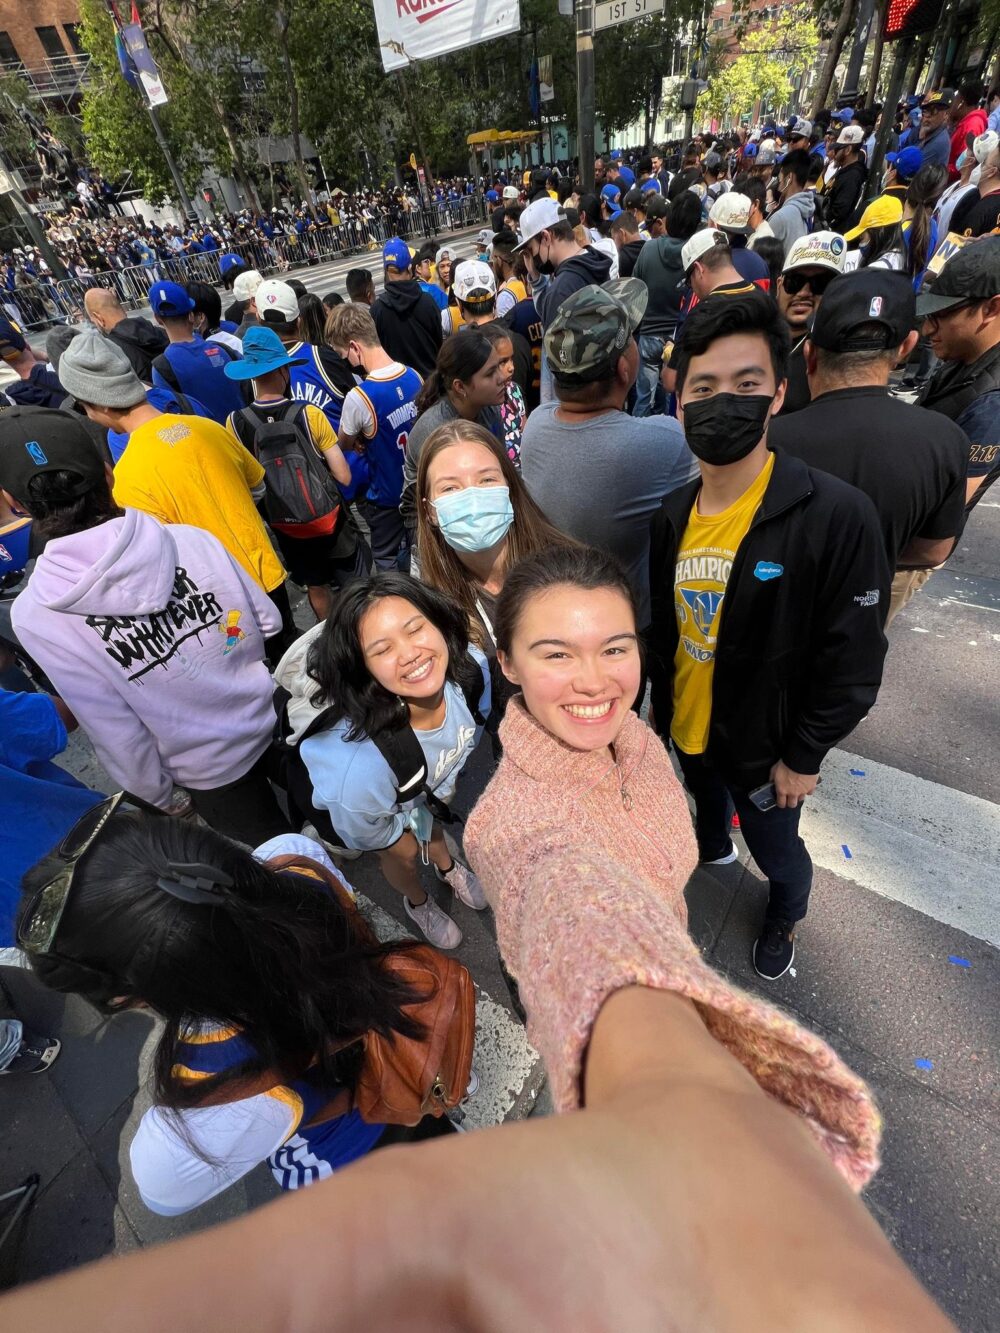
(461, 356)
(279, 959)
(922, 194)
(883, 241)
(337, 664)
(582, 567)
(57, 511)
(312, 320)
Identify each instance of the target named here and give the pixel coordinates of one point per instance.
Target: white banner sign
(410, 30)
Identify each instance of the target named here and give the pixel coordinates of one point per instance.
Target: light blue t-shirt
(353, 781)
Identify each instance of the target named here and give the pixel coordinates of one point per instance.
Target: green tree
(771, 59)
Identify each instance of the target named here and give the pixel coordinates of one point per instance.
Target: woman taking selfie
(475, 520)
(467, 384)
(400, 707)
(264, 980)
(578, 766)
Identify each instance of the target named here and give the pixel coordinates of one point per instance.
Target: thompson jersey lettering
(381, 411)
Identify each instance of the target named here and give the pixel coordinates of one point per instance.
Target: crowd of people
(636, 491)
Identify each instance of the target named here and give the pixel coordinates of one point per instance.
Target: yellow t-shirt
(704, 558)
(191, 470)
(318, 426)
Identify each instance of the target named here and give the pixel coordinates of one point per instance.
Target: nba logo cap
(34, 440)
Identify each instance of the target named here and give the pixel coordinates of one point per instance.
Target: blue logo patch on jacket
(765, 570)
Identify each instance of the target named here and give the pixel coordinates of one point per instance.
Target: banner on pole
(546, 87)
(411, 30)
(144, 64)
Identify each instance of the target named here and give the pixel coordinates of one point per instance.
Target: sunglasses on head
(817, 282)
(40, 922)
(189, 882)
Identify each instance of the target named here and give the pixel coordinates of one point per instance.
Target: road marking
(503, 1059)
(918, 842)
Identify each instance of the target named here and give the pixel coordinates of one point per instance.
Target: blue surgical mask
(962, 159)
(474, 519)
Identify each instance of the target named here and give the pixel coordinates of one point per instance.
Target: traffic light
(908, 18)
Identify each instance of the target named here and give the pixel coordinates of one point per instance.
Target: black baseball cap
(34, 440)
(870, 296)
(971, 275)
(656, 207)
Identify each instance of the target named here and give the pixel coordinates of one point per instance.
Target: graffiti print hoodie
(154, 636)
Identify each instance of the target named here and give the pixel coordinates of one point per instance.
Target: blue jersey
(313, 383)
(312, 1151)
(199, 372)
(392, 410)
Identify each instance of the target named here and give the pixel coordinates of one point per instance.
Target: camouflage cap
(592, 328)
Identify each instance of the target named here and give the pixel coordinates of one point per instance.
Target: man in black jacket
(407, 319)
(769, 587)
(847, 191)
(141, 341)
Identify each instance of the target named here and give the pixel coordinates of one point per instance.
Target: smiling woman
(405, 697)
(579, 766)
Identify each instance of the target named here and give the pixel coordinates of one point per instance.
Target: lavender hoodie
(154, 636)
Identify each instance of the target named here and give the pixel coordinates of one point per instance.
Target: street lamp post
(585, 100)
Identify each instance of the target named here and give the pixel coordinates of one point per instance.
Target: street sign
(613, 12)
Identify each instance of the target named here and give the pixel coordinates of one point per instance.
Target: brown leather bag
(405, 1078)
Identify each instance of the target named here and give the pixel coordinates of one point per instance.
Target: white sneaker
(341, 853)
(438, 927)
(465, 885)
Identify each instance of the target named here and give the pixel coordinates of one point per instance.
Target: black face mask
(724, 428)
(545, 266)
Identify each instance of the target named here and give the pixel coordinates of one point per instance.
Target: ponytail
(461, 355)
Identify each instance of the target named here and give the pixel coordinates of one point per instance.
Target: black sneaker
(34, 1055)
(774, 950)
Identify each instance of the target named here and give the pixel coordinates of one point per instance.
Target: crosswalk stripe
(908, 839)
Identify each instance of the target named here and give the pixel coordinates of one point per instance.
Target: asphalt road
(898, 965)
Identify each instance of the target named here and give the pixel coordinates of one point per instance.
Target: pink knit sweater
(584, 863)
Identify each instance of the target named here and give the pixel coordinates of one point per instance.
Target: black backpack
(400, 749)
(300, 489)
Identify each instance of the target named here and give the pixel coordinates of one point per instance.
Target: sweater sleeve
(570, 951)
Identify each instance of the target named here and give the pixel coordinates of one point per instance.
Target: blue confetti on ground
(857, 772)
(959, 962)
(847, 851)
(923, 1064)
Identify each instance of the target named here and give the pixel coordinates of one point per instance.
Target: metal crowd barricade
(47, 302)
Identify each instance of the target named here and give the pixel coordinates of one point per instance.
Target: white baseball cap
(819, 249)
(731, 212)
(446, 252)
(706, 239)
(851, 136)
(539, 215)
(984, 144)
(276, 296)
(474, 281)
(511, 192)
(246, 283)
(802, 129)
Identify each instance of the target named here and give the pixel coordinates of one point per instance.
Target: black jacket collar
(791, 482)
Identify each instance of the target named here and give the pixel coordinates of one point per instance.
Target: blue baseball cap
(492, 196)
(768, 132)
(627, 175)
(226, 262)
(611, 192)
(750, 150)
(396, 254)
(170, 299)
(652, 185)
(907, 162)
(263, 351)
(846, 114)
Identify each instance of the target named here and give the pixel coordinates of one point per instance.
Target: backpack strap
(167, 372)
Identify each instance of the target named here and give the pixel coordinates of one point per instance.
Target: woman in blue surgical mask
(475, 520)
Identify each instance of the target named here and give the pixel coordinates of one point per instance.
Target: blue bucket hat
(263, 351)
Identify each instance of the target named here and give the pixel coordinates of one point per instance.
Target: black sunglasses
(40, 922)
(817, 282)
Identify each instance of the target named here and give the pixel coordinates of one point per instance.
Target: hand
(529, 264)
(790, 788)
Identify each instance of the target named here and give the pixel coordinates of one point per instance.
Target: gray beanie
(95, 370)
(57, 340)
